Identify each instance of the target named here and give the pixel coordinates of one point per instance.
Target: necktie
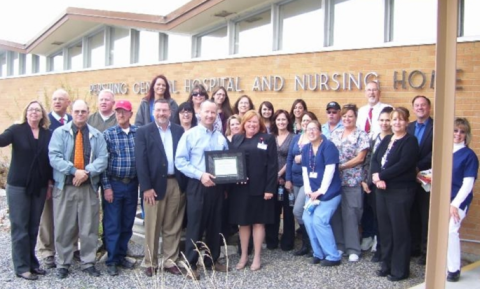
(418, 132)
(78, 161)
(369, 120)
(61, 121)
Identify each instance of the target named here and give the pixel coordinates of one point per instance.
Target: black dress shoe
(395, 278)
(173, 270)
(92, 271)
(112, 270)
(303, 251)
(27, 276)
(422, 260)
(76, 256)
(126, 264)
(62, 273)
(383, 273)
(453, 276)
(329, 263)
(38, 271)
(316, 260)
(376, 257)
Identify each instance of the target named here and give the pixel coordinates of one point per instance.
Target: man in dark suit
(422, 129)
(46, 242)
(161, 187)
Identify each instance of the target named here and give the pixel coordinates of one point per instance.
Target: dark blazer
(54, 123)
(399, 170)
(151, 160)
(30, 166)
(426, 145)
(262, 165)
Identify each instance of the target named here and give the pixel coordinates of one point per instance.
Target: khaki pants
(76, 210)
(46, 241)
(165, 216)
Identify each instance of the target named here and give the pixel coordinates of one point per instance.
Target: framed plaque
(227, 166)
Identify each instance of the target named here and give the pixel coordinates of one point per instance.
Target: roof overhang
(192, 18)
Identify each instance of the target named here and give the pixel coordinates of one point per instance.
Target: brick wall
(16, 92)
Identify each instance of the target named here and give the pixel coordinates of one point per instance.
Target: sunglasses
(332, 112)
(198, 94)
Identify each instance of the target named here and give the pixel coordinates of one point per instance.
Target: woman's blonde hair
(44, 122)
(248, 116)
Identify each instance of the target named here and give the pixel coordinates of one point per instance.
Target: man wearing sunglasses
(422, 129)
(333, 116)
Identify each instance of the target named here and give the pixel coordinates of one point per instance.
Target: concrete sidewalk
(470, 278)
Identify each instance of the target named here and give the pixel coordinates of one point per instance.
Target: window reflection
(415, 21)
(254, 34)
(120, 47)
(471, 20)
(302, 25)
(358, 22)
(75, 57)
(96, 51)
(214, 44)
(149, 47)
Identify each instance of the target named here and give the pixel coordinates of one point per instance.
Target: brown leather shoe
(221, 268)
(193, 274)
(150, 271)
(173, 270)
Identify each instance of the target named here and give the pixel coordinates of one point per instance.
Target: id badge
(313, 175)
(262, 146)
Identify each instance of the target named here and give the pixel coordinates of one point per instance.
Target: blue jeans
(119, 217)
(320, 231)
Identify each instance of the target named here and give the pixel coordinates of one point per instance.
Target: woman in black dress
(29, 183)
(252, 204)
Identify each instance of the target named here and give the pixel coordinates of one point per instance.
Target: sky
(22, 20)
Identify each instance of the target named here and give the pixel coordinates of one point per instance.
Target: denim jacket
(60, 152)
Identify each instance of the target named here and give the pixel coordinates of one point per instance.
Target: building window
(120, 46)
(415, 21)
(358, 22)
(213, 44)
(301, 25)
(149, 46)
(96, 50)
(254, 34)
(55, 62)
(3, 65)
(179, 47)
(75, 57)
(471, 24)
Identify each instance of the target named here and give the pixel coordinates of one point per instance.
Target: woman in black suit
(252, 204)
(394, 173)
(29, 183)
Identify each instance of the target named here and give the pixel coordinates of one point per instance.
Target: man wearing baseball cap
(333, 116)
(120, 184)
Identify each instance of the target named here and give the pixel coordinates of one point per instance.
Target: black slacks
(25, 212)
(271, 230)
(204, 213)
(419, 221)
(393, 216)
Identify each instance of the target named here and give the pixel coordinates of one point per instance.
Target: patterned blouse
(349, 148)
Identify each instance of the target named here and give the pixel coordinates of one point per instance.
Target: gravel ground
(279, 270)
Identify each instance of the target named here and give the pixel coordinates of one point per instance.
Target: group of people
(357, 170)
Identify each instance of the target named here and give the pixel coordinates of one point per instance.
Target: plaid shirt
(121, 150)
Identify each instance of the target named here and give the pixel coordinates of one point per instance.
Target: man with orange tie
(368, 121)
(78, 155)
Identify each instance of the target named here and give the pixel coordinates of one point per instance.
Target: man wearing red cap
(120, 184)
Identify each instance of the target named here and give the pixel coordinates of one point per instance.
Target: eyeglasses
(196, 94)
(372, 90)
(332, 112)
(348, 106)
(80, 111)
(313, 129)
(34, 110)
(186, 112)
(459, 131)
